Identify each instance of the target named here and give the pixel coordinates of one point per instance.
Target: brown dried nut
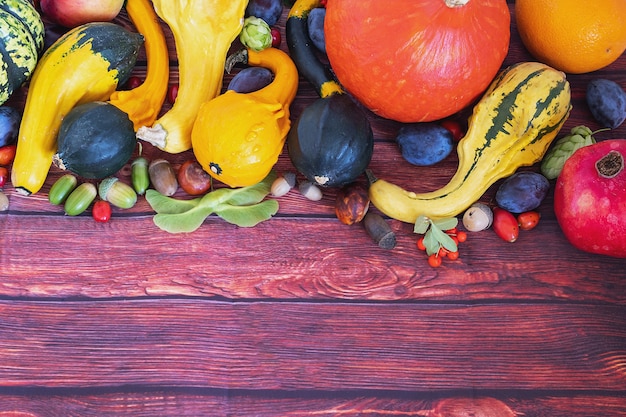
(163, 177)
(352, 203)
(379, 230)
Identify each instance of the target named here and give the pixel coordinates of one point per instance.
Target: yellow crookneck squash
(512, 126)
(84, 65)
(238, 137)
(143, 103)
(203, 32)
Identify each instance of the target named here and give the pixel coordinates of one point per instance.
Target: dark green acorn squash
(95, 140)
(331, 143)
(21, 41)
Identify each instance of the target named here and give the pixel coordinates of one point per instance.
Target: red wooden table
(302, 315)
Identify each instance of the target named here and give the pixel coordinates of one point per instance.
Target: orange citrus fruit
(573, 36)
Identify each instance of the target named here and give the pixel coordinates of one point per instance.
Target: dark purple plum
(606, 100)
(250, 79)
(268, 10)
(315, 26)
(522, 191)
(10, 119)
(424, 144)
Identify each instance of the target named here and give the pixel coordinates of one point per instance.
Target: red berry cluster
(435, 259)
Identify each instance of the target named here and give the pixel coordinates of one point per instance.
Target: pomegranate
(590, 198)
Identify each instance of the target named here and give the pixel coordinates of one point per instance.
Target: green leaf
(421, 225)
(240, 206)
(446, 223)
(431, 243)
(251, 194)
(169, 205)
(247, 216)
(186, 222)
(444, 239)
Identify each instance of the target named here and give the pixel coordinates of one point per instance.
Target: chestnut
(352, 203)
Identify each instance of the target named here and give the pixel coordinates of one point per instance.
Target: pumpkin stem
(456, 3)
(610, 164)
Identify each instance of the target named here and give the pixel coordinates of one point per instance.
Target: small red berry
(420, 244)
(101, 211)
(505, 225)
(133, 82)
(7, 154)
(453, 255)
(461, 236)
(434, 260)
(4, 176)
(276, 37)
(528, 220)
(172, 93)
(454, 127)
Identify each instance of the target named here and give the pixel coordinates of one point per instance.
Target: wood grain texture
(236, 404)
(302, 315)
(322, 347)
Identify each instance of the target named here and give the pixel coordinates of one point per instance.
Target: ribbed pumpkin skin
(416, 60)
(21, 40)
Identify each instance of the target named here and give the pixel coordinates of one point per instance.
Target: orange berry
(461, 236)
(420, 244)
(453, 255)
(434, 260)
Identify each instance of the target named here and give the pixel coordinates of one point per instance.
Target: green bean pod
(79, 200)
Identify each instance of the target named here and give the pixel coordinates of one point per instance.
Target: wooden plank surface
(301, 315)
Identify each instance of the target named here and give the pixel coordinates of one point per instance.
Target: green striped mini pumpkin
(21, 41)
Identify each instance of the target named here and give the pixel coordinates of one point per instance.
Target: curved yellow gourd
(511, 126)
(143, 103)
(203, 32)
(238, 137)
(84, 65)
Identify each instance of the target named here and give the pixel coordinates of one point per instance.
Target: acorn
(379, 230)
(163, 177)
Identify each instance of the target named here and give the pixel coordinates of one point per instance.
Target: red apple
(72, 13)
(590, 198)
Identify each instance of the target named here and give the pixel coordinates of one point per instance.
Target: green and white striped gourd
(21, 41)
(511, 126)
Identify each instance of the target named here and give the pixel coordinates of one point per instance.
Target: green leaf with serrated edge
(168, 205)
(431, 243)
(444, 239)
(446, 223)
(249, 215)
(421, 225)
(186, 222)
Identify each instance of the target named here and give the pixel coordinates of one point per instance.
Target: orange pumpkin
(416, 60)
